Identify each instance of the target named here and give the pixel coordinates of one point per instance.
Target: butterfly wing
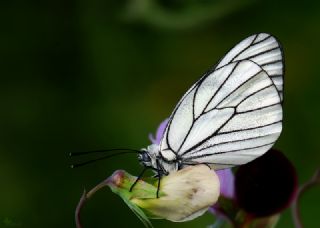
(264, 50)
(229, 117)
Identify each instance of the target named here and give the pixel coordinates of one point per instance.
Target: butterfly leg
(158, 188)
(138, 178)
(159, 178)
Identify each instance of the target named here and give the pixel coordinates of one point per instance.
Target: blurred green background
(84, 75)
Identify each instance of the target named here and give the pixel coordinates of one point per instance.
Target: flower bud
(266, 185)
(184, 195)
(188, 194)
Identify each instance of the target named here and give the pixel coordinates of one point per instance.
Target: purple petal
(160, 132)
(226, 178)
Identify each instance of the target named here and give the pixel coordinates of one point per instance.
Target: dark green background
(83, 75)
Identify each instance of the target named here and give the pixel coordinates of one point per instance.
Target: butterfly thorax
(162, 162)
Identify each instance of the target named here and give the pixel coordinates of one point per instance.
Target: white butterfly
(230, 116)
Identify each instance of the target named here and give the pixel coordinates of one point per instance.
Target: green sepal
(120, 183)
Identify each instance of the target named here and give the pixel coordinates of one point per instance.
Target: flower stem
(85, 196)
(315, 180)
(78, 209)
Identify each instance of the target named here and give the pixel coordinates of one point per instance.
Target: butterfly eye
(144, 157)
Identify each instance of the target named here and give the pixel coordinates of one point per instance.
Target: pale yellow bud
(188, 194)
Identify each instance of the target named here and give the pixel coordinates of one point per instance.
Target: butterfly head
(148, 155)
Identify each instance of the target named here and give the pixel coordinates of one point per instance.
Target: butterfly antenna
(101, 158)
(74, 154)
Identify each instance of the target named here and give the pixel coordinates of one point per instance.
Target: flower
(186, 194)
(258, 191)
(266, 185)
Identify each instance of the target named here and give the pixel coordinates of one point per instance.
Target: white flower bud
(188, 193)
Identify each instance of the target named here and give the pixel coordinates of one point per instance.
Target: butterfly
(230, 116)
